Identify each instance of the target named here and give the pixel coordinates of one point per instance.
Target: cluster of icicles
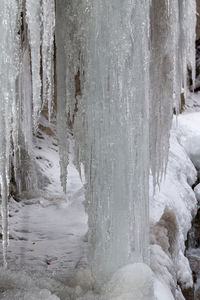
(26, 76)
(120, 67)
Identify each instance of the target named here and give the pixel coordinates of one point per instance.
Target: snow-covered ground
(48, 229)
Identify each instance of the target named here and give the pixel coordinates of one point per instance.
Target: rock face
(189, 294)
(193, 255)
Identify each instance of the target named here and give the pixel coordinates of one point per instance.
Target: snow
(132, 282)
(190, 136)
(176, 194)
(48, 225)
(162, 291)
(55, 226)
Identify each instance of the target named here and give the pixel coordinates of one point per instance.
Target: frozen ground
(48, 230)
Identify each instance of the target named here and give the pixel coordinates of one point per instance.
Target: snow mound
(189, 131)
(132, 282)
(162, 291)
(176, 195)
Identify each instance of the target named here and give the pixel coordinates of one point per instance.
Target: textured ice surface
(114, 141)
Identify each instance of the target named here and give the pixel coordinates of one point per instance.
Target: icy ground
(48, 230)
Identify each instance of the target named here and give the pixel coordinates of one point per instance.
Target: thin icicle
(69, 37)
(33, 14)
(48, 21)
(187, 41)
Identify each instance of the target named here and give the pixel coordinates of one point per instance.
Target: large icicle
(33, 14)
(8, 74)
(164, 40)
(172, 54)
(114, 148)
(69, 36)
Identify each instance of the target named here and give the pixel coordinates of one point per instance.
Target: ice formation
(20, 101)
(173, 37)
(114, 114)
(8, 69)
(119, 112)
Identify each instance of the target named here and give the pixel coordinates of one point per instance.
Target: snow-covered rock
(173, 206)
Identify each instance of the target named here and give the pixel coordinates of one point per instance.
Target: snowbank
(132, 282)
(173, 206)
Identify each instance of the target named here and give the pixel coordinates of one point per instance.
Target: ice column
(114, 147)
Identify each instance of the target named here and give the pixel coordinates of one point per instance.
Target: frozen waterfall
(120, 66)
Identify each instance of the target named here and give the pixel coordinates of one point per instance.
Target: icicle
(8, 75)
(172, 54)
(48, 20)
(113, 115)
(69, 38)
(164, 40)
(33, 12)
(187, 12)
(61, 122)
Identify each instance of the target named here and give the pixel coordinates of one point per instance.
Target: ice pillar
(116, 145)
